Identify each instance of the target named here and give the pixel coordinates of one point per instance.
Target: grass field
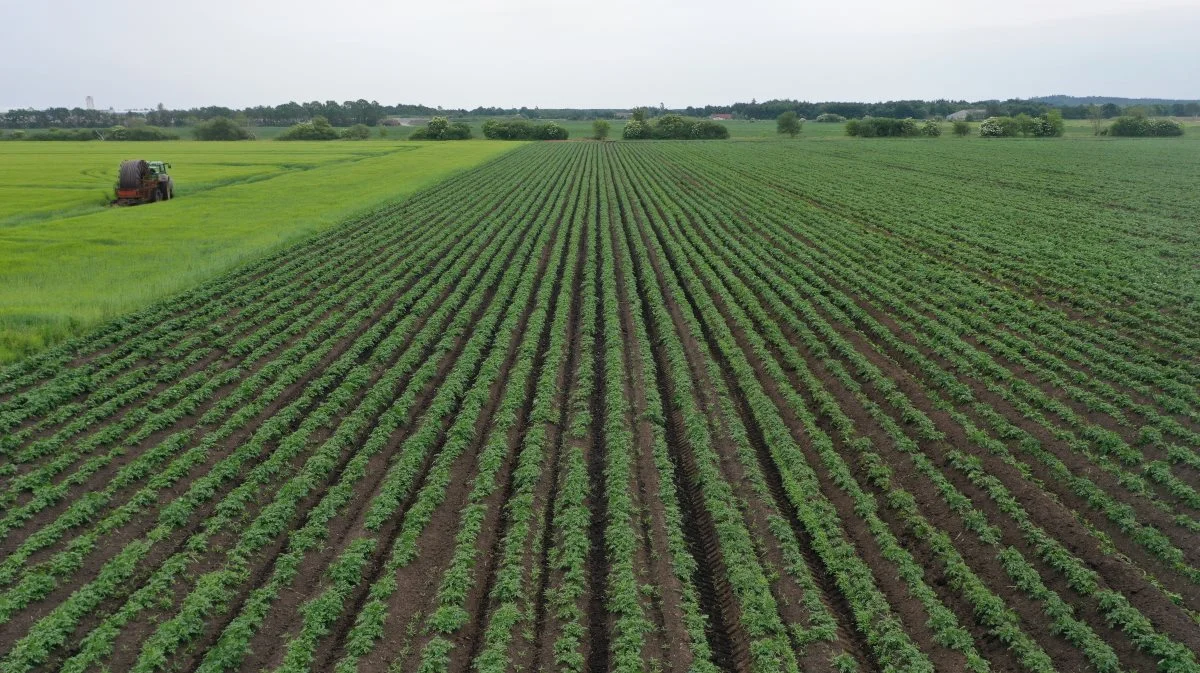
(68, 262)
(702, 407)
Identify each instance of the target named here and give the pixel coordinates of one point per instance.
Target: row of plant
(395, 394)
(878, 472)
(908, 216)
(90, 506)
(858, 365)
(640, 357)
(214, 334)
(770, 645)
(942, 621)
(369, 623)
(178, 512)
(911, 219)
(462, 394)
(971, 364)
(1162, 423)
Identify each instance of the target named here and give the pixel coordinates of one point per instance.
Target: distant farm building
(721, 117)
(404, 121)
(966, 115)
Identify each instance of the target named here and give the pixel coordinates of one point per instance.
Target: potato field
(699, 407)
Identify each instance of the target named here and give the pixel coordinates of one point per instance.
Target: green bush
(600, 129)
(519, 129)
(220, 128)
(636, 129)
(962, 129)
(140, 133)
(357, 132)
(789, 123)
(708, 130)
(675, 127)
(999, 127)
(830, 118)
(64, 134)
(881, 127)
(1049, 125)
(1142, 127)
(317, 129)
(931, 128)
(440, 128)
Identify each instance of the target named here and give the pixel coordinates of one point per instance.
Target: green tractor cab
(140, 181)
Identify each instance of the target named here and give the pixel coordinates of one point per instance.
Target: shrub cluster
(882, 127)
(357, 132)
(519, 129)
(440, 128)
(221, 128)
(674, 127)
(1049, 125)
(317, 129)
(1142, 127)
(931, 128)
(830, 118)
(119, 133)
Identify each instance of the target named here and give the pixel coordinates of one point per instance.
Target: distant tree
(1094, 114)
(1110, 110)
(220, 128)
(437, 127)
(600, 129)
(639, 114)
(830, 118)
(788, 123)
(382, 131)
(962, 128)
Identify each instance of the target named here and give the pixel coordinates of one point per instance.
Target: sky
(611, 54)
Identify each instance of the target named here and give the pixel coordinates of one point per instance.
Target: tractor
(141, 181)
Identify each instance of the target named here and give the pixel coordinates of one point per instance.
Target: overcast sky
(564, 53)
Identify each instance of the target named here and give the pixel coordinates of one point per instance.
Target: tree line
(370, 113)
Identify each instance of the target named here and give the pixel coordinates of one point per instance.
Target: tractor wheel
(155, 196)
